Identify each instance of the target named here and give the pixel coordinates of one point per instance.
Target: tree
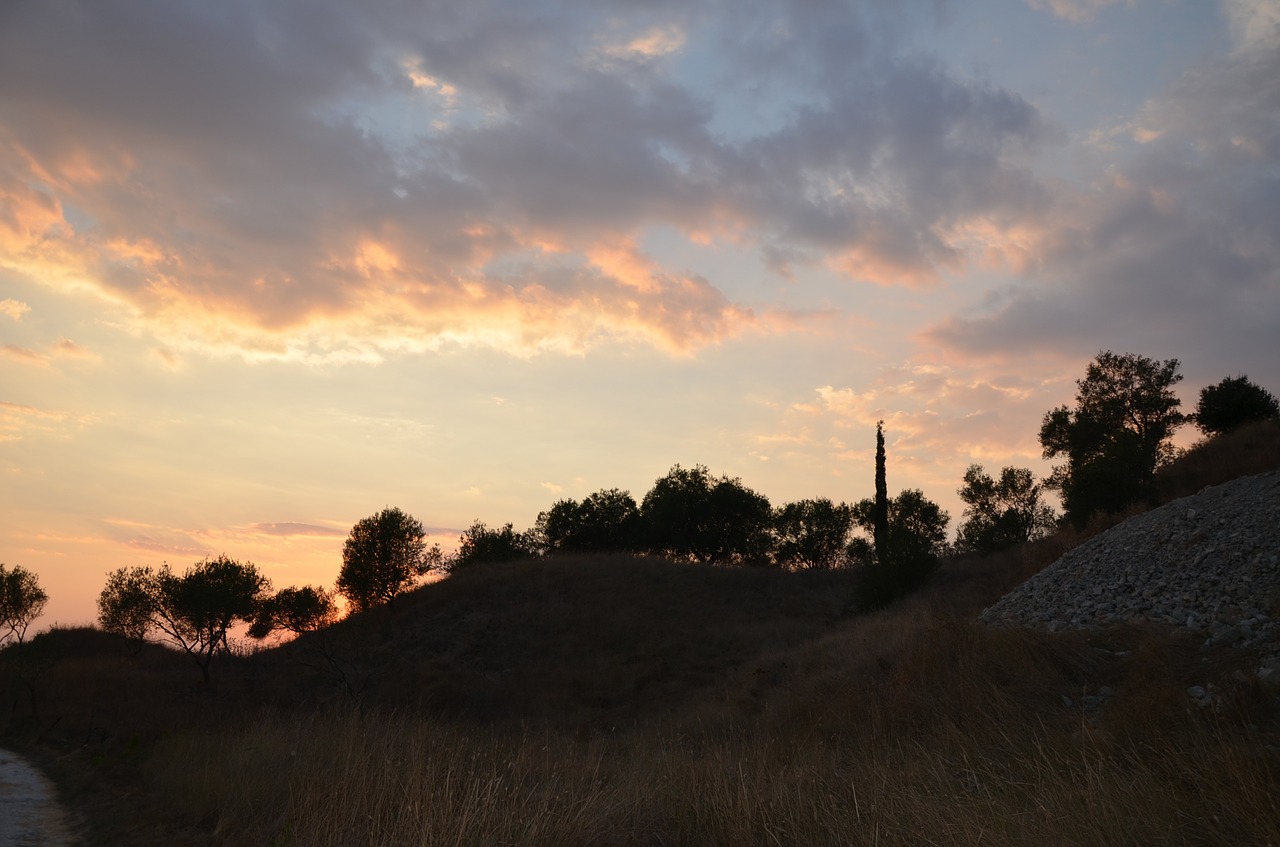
(605, 521)
(1232, 403)
(127, 604)
(811, 533)
(688, 514)
(295, 610)
(22, 600)
(1117, 435)
(383, 557)
(912, 545)
(480, 544)
(880, 514)
(195, 611)
(1001, 513)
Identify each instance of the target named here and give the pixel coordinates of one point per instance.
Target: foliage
(194, 611)
(912, 546)
(1001, 513)
(1232, 403)
(480, 544)
(127, 604)
(690, 515)
(811, 534)
(22, 600)
(383, 557)
(1117, 435)
(295, 610)
(606, 521)
(880, 514)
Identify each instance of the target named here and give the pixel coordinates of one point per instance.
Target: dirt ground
(30, 815)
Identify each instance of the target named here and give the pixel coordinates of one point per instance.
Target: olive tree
(127, 604)
(1000, 513)
(1116, 436)
(384, 556)
(688, 514)
(605, 521)
(22, 600)
(295, 610)
(811, 533)
(480, 544)
(1232, 403)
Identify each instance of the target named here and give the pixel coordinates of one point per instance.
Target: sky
(269, 267)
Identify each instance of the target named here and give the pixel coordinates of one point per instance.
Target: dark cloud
(1177, 253)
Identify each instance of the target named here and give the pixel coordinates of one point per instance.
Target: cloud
(13, 308)
(18, 420)
(1170, 252)
(297, 529)
(1077, 11)
(319, 184)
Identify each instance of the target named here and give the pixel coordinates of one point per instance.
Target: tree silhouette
(127, 604)
(22, 600)
(690, 515)
(383, 557)
(811, 534)
(880, 514)
(1232, 403)
(605, 521)
(295, 610)
(195, 611)
(479, 544)
(1001, 513)
(1116, 436)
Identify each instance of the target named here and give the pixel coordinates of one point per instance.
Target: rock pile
(1209, 563)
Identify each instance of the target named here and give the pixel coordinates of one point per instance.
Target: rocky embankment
(1209, 563)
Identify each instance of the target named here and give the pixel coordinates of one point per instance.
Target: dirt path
(29, 812)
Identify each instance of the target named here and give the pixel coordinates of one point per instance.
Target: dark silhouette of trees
(1115, 437)
(22, 600)
(608, 520)
(295, 610)
(127, 604)
(690, 515)
(1232, 403)
(480, 544)
(811, 534)
(880, 513)
(911, 548)
(193, 611)
(1001, 513)
(384, 556)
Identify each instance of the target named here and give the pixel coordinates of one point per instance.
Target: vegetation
(293, 610)
(22, 600)
(910, 547)
(480, 544)
(1001, 513)
(812, 534)
(692, 516)
(1233, 403)
(605, 522)
(384, 556)
(1115, 437)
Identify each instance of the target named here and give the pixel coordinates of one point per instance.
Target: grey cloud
(1180, 255)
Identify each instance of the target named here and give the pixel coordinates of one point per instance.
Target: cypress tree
(882, 498)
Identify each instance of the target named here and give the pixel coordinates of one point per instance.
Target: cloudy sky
(268, 267)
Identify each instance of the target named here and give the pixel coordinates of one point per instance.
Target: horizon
(265, 271)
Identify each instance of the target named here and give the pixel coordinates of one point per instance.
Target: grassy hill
(633, 701)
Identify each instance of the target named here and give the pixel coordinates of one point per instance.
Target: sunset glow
(266, 268)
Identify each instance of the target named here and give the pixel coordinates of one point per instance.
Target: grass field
(633, 701)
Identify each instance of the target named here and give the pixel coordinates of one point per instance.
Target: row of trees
(1112, 442)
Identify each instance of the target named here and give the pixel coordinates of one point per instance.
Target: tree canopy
(1000, 513)
(811, 534)
(1232, 403)
(480, 543)
(607, 520)
(1116, 436)
(22, 600)
(689, 514)
(193, 611)
(295, 610)
(384, 556)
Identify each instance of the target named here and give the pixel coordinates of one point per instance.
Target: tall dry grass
(959, 738)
